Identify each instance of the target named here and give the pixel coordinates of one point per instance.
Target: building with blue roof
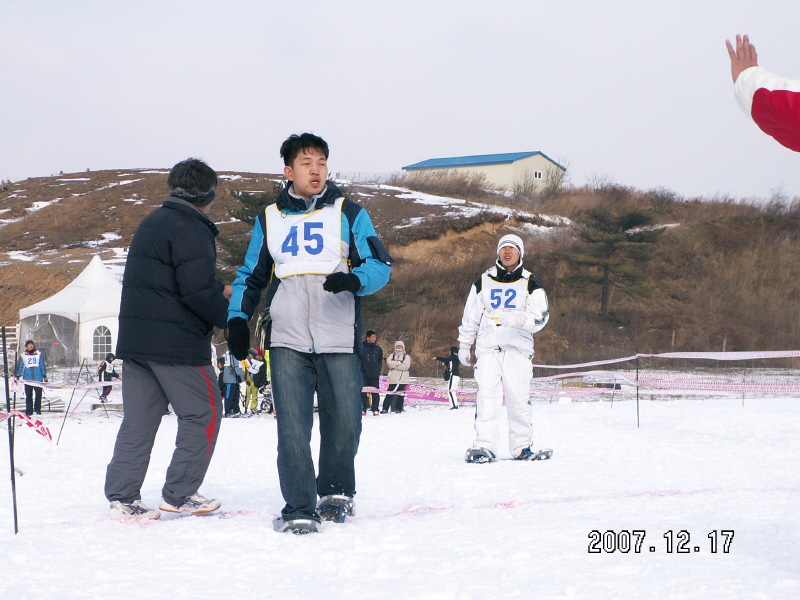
(503, 171)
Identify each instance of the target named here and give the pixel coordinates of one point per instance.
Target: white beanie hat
(512, 240)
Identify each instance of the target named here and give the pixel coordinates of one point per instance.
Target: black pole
(11, 427)
(637, 386)
(66, 411)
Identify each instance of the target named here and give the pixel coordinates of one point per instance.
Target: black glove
(238, 338)
(342, 282)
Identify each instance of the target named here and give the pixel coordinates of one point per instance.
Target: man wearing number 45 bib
(505, 307)
(316, 254)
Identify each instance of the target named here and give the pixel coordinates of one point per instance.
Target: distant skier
(107, 372)
(505, 307)
(773, 102)
(32, 368)
(451, 374)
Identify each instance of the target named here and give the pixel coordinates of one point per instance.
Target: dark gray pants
(147, 389)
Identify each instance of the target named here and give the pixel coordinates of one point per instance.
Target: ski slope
(428, 525)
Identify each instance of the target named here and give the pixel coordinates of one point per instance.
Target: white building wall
(87, 330)
(504, 176)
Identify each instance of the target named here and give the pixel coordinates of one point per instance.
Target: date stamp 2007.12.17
(625, 541)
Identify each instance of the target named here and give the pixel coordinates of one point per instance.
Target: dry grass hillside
(721, 269)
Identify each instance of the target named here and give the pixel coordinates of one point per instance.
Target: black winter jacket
(371, 360)
(171, 297)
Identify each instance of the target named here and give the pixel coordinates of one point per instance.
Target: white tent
(79, 322)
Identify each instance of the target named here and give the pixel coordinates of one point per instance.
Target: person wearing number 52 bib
(316, 254)
(505, 307)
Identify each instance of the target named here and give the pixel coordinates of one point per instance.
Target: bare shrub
(444, 182)
(527, 186)
(433, 229)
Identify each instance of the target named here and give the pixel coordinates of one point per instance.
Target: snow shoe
(543, 454)
(480, 455)
(528, 454)
(295, 526)
(336, 508)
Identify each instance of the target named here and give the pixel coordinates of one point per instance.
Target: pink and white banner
(694, 355)
(421, 394)
(37, 425)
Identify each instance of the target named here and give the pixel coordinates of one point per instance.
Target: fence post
(11, 427)
(637, 386)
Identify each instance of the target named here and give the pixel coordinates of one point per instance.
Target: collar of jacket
(500, 274)
(288, 202)
(191, 210)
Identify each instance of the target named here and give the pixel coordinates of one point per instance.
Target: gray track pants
(147, 389)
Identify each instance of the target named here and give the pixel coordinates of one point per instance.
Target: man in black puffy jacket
(171, 302)
(371, 365)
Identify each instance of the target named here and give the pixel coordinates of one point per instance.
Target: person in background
(452, 375)
(260, 376)
(251, 366)
(107, 372)
(399, 364)
(31, 367)
(232, 376)
(371, 365)
(505, 307)
(171, 302)
(220, 378)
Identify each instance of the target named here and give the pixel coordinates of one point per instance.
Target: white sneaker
(194, 504)
(132, 510)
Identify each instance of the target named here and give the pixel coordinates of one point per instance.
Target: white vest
(305, 244)
(498, 299)
(31, 360)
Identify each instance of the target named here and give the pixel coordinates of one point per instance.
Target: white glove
(512, 319)
(464, 357)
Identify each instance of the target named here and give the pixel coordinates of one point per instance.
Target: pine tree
(616, 242)
(251, 205)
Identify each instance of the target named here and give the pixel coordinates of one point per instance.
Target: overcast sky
(636, 92)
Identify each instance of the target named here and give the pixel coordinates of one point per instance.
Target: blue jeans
(337, 380)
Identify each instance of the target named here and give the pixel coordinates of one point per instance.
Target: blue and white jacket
(31, 366)
(304, 317)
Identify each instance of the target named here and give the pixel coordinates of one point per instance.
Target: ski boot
(336, 508)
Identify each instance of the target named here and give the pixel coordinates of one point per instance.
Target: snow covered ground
(428, 525)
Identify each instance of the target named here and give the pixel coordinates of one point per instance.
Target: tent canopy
(94, 294)
(78, 323)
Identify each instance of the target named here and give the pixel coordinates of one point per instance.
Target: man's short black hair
(370, 332)
(295, 144)
(193, 176)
